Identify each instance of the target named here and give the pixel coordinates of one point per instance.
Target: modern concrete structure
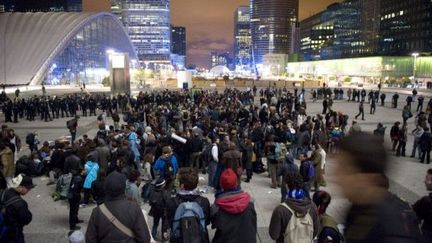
(271, 26)
(58, 48)
(242, 38)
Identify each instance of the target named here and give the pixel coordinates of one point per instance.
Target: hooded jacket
(281, 217)
(234, 218)
(129, 213)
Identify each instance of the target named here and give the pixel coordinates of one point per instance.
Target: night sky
(210, 24)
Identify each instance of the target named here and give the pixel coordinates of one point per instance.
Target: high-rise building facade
(406, 27)
(271, 26)
(41, 5)
(148, 25)
(178, 40)
(242, 38)
(346, 29)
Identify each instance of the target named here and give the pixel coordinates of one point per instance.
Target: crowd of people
(155, 149)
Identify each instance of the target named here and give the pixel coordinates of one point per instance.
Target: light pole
(415, 55)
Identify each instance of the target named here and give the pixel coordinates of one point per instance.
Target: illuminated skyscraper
(178, 40)
(148, 25)
(272, 26)
(41, 5)
(242, 38)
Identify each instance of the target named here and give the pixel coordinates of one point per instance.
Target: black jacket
(17, 216)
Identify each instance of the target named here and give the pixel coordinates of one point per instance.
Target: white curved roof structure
(219, 70)
(30, 41)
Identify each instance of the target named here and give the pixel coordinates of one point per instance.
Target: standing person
(16, 213)
(72, 125)
(105, 219)
(233, 213)
(32, 141)
(132, 184)
(361, 111)
(395, 100)
(166, 167)
(349, 93)
(213, 163)
(372, 106)
(402, 137)
(307, 172)
(6, 162)
(417, 133)
(425, 145)
(247, 149)
(74, 196)
(232, 159)
(406, 113)
(316, 159)
(409, 100)
(272, 161)
(420, 101)
(382, 97)
(296, 219)
(176, 208)
(329, 231)
(394, 134)
(325, 105)
(91, 172)
(158, 200)
(423, 208)
(364, 183)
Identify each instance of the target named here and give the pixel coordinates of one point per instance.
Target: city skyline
(210, 24)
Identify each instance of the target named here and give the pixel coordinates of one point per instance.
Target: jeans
(427, 154)
(306, 188)
(73, 135)
(273, 171)
(212, 168)
(156, 220)
(415, 146)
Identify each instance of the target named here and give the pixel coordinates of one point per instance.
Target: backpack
(3, 205)
(299, 229)
(147, 190)
(30, 138)
(69, 124)
(168, 169)
(280, 151)
(63, 185)
(156, 200)
(206, 155)
(310, 170)
(189, 224)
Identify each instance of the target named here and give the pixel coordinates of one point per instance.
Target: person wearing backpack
(166, 167)
(376, 215)
(329, 231)
(158, 199)
(188, 208)
(288, 166)
(233, 213)
(15, 214)
(307, 172)
(423, 208)
(295, 220)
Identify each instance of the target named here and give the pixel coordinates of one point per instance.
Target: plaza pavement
(50, 219)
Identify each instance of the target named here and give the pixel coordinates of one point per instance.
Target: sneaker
(83, 205)
(80, 221)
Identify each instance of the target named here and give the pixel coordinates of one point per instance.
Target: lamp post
(415, 55)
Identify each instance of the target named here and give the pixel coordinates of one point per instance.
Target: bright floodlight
(415, 54)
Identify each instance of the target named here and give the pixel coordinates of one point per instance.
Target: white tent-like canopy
(30, 41)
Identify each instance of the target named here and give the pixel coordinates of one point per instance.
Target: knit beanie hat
(228, 179)
(115, 184)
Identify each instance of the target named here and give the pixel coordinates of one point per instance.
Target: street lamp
(415, 55)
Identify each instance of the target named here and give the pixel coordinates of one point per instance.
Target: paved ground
(50, 219)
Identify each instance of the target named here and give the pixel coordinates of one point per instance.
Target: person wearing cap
(296, 202)
(17, 214)
(100, 228)
(158, 199)
(233, 213)
(329, 231)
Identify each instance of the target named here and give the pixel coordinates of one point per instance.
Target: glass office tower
(148, 25)
(271, 26)
(242, 38)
